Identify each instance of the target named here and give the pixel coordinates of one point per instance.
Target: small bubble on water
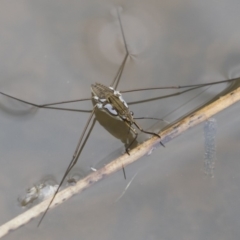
(36, 194)
(151, 150)
(210, 130)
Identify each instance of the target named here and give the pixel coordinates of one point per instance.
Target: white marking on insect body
(96, 98)
(102, 100)
(123, 101)
(110, 109)
(99, 105)
(117, 93)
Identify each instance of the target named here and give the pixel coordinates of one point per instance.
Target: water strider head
(110, 101)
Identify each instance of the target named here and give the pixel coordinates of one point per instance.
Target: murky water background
(52, 51)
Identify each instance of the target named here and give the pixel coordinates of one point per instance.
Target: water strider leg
(74, 160)
(162, 97)
(46, 106)
(182, 86)
(70, 101)
(116, 80)
(80, 145)
(152, 118)
(131, 143)
(119, 73)
(152, 133)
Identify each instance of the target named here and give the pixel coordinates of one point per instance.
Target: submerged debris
(74, 177)
(37, 193)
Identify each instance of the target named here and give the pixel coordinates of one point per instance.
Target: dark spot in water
(231, 93)
(167, 138)
(90, 181)
(176, 126)
(11, 230)
(190, 122)
(104, 175)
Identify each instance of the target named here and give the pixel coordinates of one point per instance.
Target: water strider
(109, 100)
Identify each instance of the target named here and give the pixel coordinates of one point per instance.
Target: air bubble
(210, 130)
(151, 150)
(37, 193)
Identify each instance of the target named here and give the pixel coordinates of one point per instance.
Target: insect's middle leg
(81, 143)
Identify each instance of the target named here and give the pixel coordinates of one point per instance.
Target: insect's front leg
(152, 133)
(133, 140)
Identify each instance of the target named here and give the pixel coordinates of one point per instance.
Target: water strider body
(111, 101)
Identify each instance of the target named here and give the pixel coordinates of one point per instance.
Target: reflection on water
(210, 130)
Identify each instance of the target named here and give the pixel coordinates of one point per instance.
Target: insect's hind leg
(116, 80)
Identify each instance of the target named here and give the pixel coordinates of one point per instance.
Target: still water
(53, 51)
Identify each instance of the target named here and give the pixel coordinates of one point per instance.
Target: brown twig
(168, 134)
